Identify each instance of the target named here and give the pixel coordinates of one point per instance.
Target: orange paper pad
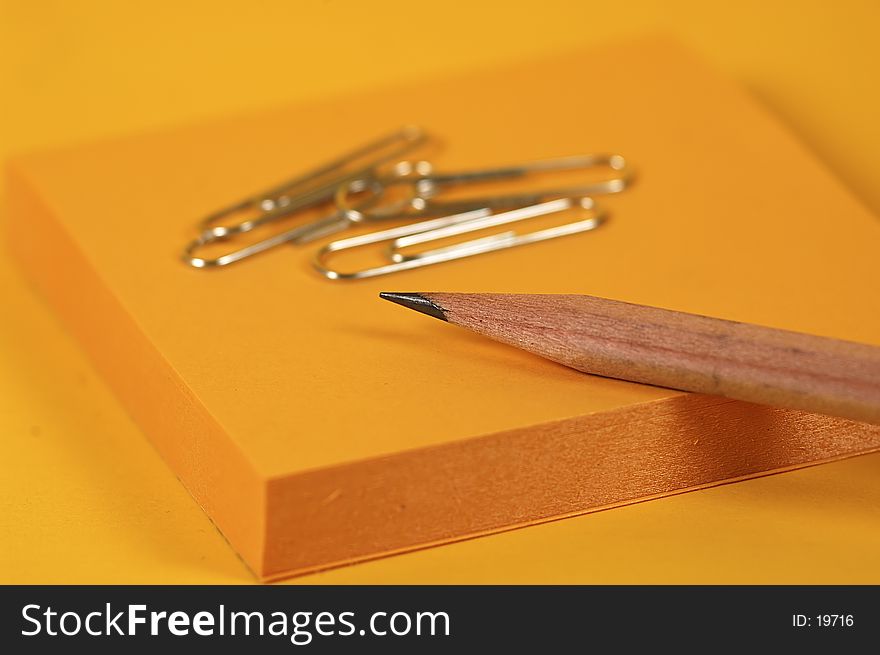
(317, 425)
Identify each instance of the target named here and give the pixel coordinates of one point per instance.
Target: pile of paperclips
(373, 184)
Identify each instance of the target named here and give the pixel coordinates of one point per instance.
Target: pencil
(673, 349)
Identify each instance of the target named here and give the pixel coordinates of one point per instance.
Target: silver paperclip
(449, 226)
(424, 185)
(330, 224)
(355, 170)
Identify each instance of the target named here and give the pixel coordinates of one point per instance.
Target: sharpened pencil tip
(417, 302)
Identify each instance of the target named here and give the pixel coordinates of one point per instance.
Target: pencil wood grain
(681, 351)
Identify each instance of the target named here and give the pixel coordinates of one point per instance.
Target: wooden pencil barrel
(681, 351)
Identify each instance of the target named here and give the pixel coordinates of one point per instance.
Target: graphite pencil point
(417, 302)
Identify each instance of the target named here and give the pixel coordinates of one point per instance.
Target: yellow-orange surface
(830, 288)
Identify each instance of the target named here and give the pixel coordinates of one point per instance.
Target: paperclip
(448, 226)
(318, 185)
(305, 192)
(330, 224)
(426, 185)
(336, 221)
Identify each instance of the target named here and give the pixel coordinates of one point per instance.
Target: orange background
(85, 497)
